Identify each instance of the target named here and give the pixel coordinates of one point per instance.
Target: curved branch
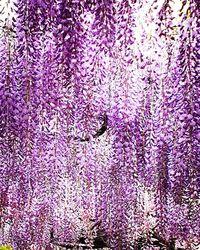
(99, 132)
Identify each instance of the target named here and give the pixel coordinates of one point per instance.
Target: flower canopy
(99, 122)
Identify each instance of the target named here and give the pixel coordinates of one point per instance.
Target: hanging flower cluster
(99, 116)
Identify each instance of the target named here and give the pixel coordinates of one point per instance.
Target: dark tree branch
(99, 132)
(103, 128)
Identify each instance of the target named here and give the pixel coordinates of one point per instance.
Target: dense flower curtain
(99, 116)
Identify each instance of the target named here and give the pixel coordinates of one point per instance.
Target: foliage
(6, 247)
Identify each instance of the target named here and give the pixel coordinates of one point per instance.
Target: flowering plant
(99, 115)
